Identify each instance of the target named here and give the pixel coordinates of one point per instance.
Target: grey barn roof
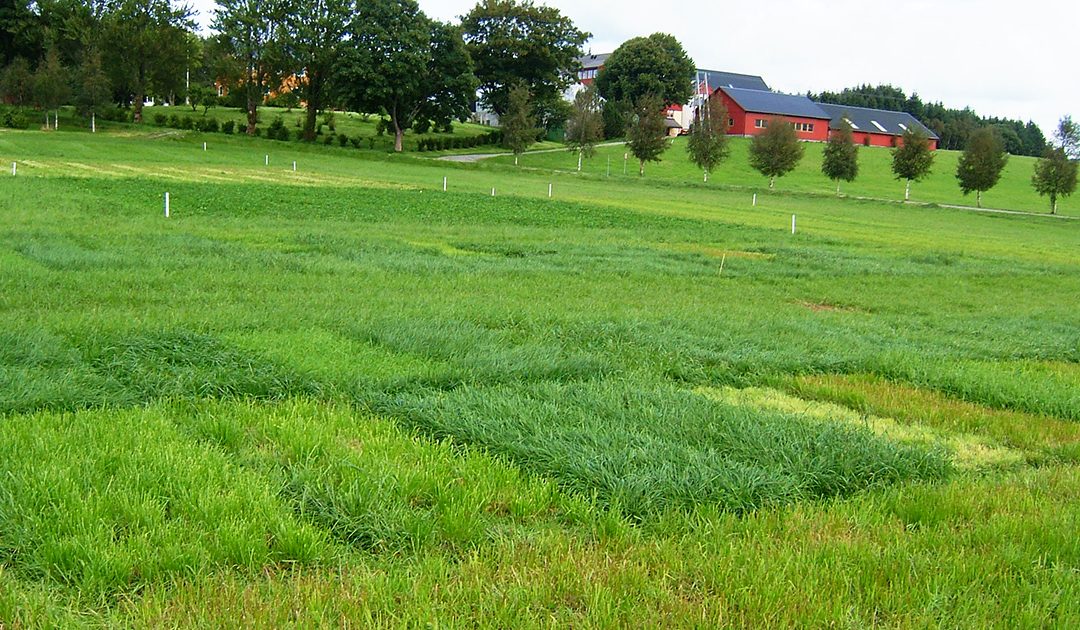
(863, 119)
(593, 62)
(762, 102)
(717, 79)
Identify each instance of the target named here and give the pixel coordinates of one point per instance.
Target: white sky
(1008, 59)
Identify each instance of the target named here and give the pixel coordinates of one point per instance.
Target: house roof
(763, 102)
(593, 62)
(874, 120)
(671, 123)
(717, 79)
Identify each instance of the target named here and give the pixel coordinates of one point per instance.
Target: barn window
(761, 123)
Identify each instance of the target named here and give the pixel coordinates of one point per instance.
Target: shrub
(161, 120)
(174, 121)
(208, 125)
(421, 125)
(14, 119)
(355, 141)
(277, 130)
(328, 140)
(187, 122)
(381, 127)
(227, 127)
(328, 120)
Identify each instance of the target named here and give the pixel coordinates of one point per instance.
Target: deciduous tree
(656, 65)
(586, 125)
(251, 30)
(402, 63)
(1067, 136)
(513, 41)
(708, 145)
(646, 136)
(17, 82)
(776, 151)
(840, 158)
(518, 125)
(93, 90)
(912, 159)
(52, 84)
(1055, 176)
(980, 166)
(314, 33)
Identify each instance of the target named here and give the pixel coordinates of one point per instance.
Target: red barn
(751, 111)
(876, 127)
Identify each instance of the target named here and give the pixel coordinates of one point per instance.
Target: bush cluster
(461, 142)
(14, 119)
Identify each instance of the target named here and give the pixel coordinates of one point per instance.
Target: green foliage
(14, 118)
(1055, 176)
(980, 167)
(407, 65)
(512, 41)
(228, 127)
(277, 129)
(586, 126)
(313, 40)
(17, 82)
(840, 159)
(519, 130)
(203, 96)
(616, 115)
(251, 33)
(776, 151)
(1067, 136)
(52, 82)
(656, 65)
(646, 136)
(912, 159)
(93, 90)
(707, 146)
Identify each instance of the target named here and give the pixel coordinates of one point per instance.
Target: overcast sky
(1009, 59)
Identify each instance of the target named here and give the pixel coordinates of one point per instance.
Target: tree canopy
(1055, 176)
(707, 145)
(402, 63)
(840, 158)
(655, 65)
(313, 36)
(646, 136)
(251, 31)
(518, 125)
(585, 127)
(980, 166)
(512, 41)
(776, 151)
(912, 159)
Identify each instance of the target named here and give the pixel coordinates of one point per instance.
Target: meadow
(338, 395)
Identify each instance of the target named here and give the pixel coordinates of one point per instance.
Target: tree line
(953, 126)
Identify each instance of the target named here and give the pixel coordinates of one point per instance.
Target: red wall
(744, 122)
(882, 139)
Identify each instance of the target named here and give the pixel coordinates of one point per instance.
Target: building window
(807, 127)
(730, 122)
(761, 123)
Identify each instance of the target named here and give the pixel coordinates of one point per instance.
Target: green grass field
(341, 396)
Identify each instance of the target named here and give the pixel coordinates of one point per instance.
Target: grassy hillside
(1013, 192)
(340, 396)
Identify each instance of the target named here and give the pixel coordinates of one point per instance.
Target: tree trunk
(56, 120)
(838, 188)
(314, 85)
(579, 160)
(706, 177)
(978, 198)
(138, 105)
(1053, 204)
(641, 168)
(515, 159)
(907, 191)
(399, 136)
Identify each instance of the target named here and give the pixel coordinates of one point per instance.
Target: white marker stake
(14, 165)
(93, 123)
(755, 200)
(444, 184)
(549, 191)
(166, 205)
(204, 146)
(268, 160)
(294, 166)
(793, 224)
(492, 192)
(609, 166)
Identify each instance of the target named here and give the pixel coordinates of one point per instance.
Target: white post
(549, 190)
(56, 120)
(166, 205)
(267, 161)
(93, 122)
(14, 165)
(755, 200)
(706, 177)
(492, 192)
(204, 146)
(793, 224)
(444, 183)
(609, 166)
(294, 166)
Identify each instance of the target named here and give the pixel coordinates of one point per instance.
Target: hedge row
(460, 142)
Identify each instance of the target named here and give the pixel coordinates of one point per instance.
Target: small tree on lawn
(707, 144)
(518, 126)
(646, 136)
(92, 85)
(912, 159)
(1055, 176)
(586, 125)
(1067, 136)
(980, 166)
(776, 151)
(840, 159)
(51, 84)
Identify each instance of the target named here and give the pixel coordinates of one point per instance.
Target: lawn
(338, 395)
